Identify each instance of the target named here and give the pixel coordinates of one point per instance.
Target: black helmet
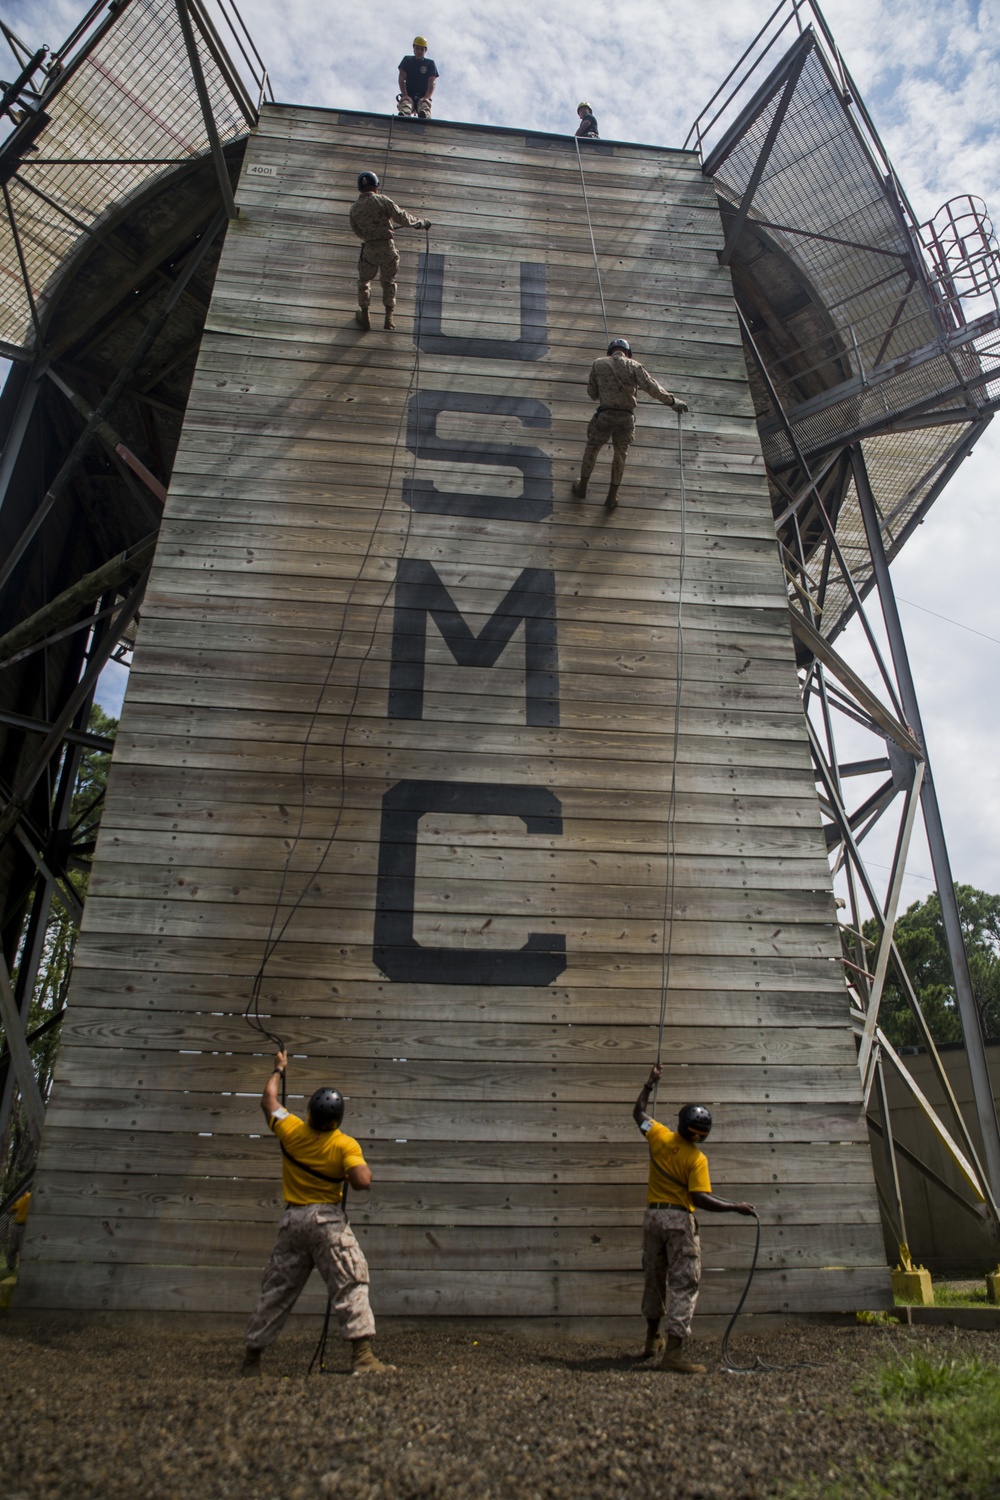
(326, 1109)
(694, 1122)
(623, 345)
(367, 182)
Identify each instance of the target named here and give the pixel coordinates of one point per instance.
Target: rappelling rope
(670, 879)
(666, 947)
(251, 1013)
(593, 246)
(725, 1360)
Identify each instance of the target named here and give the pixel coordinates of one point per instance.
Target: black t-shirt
(419, 71)
(588, 125)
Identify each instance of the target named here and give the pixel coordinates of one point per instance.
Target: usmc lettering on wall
(528, 606)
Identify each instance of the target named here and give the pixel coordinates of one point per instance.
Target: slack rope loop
(251, 1013)
(593, 246)
(759, 1365)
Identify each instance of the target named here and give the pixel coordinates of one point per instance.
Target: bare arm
(360, 1178)
(639, 1111)
(270, 1102)
(402, 85)
(717, 1205)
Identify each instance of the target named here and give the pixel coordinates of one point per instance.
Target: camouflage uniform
(313, 1234)
(372, 219)
(671, 1256)
(614, 381)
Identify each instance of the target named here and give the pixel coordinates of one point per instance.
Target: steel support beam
(198, 74)
(106, 405)
(24, 1071)
(19, 429)
(746, 202)
(84, 688)
(975, 1050)
(67, 605)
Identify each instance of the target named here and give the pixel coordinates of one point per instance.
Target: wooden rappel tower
(461, 769)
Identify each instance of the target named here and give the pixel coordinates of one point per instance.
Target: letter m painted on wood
(531, 599)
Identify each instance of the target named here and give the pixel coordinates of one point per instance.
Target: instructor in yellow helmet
(417, 76)
(587, 129)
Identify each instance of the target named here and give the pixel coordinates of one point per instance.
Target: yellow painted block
(7, 1292)
(913, 1286)
(993, 1287)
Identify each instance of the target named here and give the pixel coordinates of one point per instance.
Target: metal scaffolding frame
(870, 392)
(117, 155)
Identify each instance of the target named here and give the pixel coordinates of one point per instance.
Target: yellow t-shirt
(21, 1208)
(328, 1152)
(676, 1168)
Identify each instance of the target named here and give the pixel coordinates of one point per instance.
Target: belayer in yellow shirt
(671, 1253)
(317, 1158)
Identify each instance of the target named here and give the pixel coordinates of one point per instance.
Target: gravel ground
(113, 1413)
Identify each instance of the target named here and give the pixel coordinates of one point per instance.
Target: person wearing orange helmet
(417, 76)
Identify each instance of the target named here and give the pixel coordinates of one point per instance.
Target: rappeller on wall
(671, 1254)
(417, 76)
(313, 1231)
(614, 382)
(372, 219)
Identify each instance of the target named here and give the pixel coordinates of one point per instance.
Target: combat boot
(655, 1343)
(580, 489)
(388, 319)
(363, 1360)
(611, 503)
(251, 1362)
(363, 319)
(674, 1358)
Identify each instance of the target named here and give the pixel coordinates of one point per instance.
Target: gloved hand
(680, 406)
(423, 224)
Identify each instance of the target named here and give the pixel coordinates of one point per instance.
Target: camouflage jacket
(373, 216)
(614, 381)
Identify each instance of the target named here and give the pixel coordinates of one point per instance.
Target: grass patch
(960, 1294)
(954, 1294)
(939, 1420)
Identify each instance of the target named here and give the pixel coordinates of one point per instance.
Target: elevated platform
(476, 854)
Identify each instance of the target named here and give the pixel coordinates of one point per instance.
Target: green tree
(920, 939)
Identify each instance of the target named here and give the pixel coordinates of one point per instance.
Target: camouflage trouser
(608, 425)
(671, 1256)
(378, 258)
(420, 107)
(313, 1234)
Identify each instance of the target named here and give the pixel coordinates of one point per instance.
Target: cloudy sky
(929, 71)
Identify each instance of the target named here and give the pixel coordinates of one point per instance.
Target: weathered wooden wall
(491, 1083)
